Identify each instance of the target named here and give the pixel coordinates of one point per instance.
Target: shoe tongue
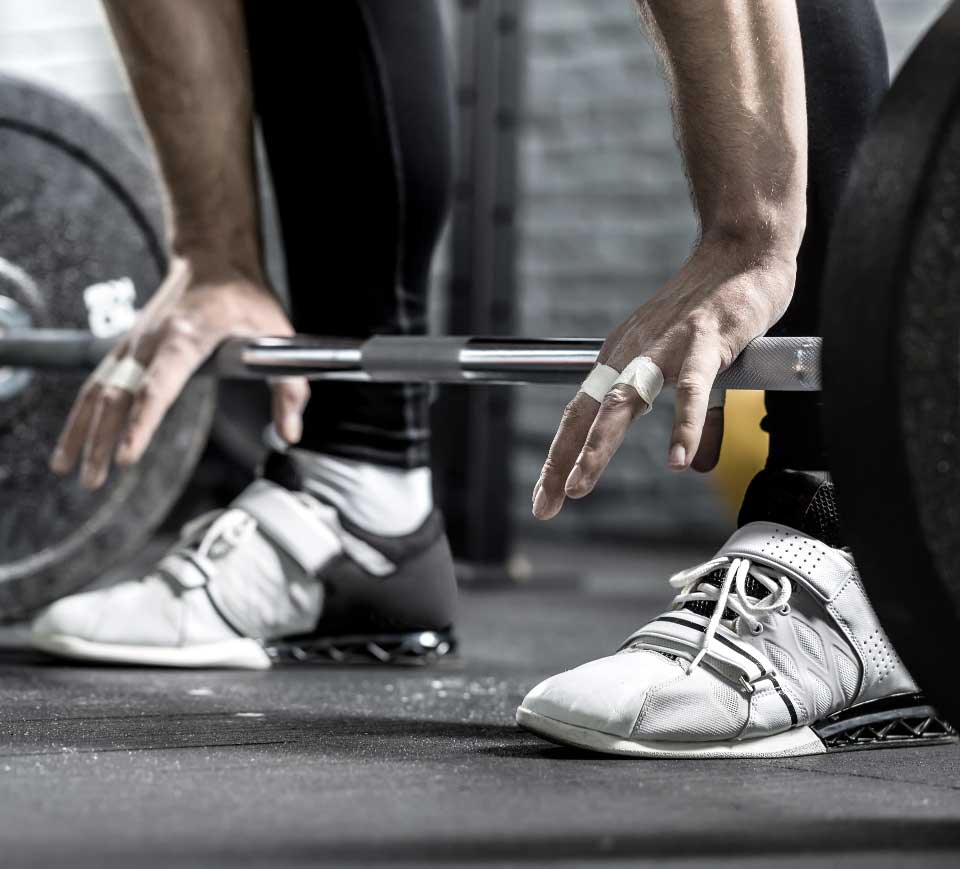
(804, 500)
(706, 607)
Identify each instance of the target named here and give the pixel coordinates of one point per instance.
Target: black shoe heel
(906, 720)
(415, 648)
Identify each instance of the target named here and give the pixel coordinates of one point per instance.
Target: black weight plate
(891, 327)
(77, 207)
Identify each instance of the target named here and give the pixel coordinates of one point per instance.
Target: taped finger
(578, 416)
(644, 376)
(73, 436)
(162, 382)
(620, 406)
(109, 417)
(599, 381)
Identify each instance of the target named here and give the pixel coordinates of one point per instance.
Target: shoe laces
(732, 594)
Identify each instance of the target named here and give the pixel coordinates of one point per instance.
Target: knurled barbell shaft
(766, 363)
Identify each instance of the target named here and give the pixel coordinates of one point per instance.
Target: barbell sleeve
(781, 364)
(52, 348)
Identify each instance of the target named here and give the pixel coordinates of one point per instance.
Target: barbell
(890, 351)
(766, 363)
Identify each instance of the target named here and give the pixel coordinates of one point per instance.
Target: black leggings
(355, 108)
(847, 75)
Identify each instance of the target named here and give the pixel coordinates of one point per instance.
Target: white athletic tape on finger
(645, 376)
(127, 375)
(599, 381)
(101, 374)
(718, 398)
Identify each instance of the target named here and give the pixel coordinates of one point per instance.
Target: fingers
(290, 397)
(697, 374)
(708, 453)
(549, 495)
(176, 358)
(74, 434)
(619, 409)
(108, 419)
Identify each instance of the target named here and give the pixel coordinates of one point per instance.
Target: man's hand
(692, 329)
(735, 69)
(183, 323)
(188, 65)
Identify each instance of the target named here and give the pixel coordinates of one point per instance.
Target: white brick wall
(65, 44)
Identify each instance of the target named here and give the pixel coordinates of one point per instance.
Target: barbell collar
(781, 364)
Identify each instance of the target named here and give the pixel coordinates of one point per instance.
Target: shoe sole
(242, 653)
(417, 648)
(879, 724)
(235, 654)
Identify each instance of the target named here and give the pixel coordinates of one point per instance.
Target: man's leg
(355, 109)
(847, 74)
(338, 552)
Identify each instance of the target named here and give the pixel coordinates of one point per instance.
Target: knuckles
(618, 400)
(179, 331)
(147, 392)
(574, 412)
(692, 387)
(548, 475)
(112, 396)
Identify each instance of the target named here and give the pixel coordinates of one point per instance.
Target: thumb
(290, 397)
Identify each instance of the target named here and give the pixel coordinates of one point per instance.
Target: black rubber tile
(307, 765)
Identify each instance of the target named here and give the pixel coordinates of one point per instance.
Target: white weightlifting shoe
(771, 649)
(277, 576)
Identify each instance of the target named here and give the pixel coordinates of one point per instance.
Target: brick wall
(604, 219)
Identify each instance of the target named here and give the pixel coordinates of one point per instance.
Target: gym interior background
(601, 218)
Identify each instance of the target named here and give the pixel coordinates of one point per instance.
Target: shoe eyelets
(756, 630)
(784, 610)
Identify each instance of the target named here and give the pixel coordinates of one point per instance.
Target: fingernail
(539, 502)
(575, 479)
(678, 457)
(58, 461)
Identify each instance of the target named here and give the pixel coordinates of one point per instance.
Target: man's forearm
(188, 65)
(736, 70)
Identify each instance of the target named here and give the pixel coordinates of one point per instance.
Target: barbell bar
(786, 364)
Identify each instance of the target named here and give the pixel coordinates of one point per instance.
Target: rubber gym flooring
(325, 765)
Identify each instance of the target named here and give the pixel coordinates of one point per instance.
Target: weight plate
(77, 208)
(891, 327)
